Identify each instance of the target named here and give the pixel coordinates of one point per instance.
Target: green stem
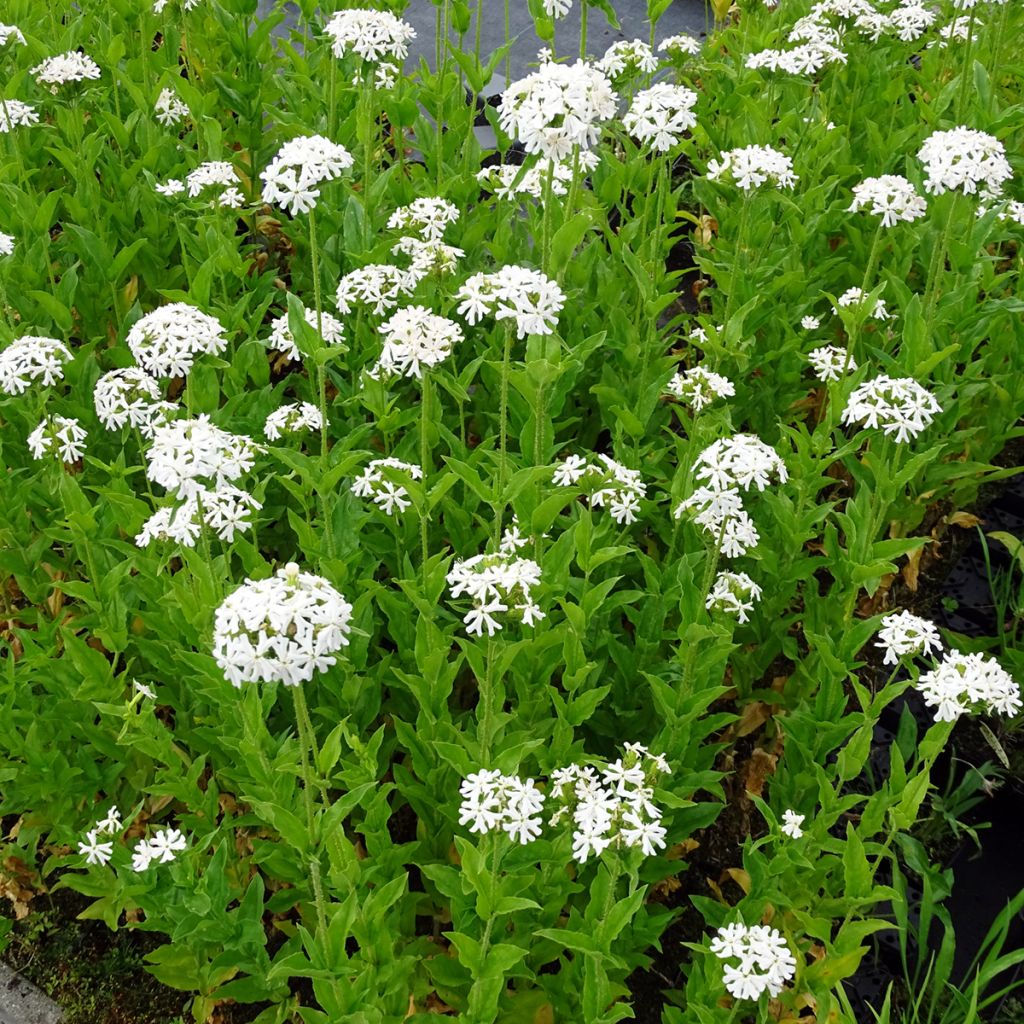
(937, 265)
(426, 466)
(486, 707)
(503, 433)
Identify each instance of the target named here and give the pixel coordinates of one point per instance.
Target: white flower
(164, 845)
(527, 297)
(428, 257)
(110, 822)
(830, 362)
(962, 159)
(700, 387)
(722, 515)
(293, 177)
(899, 406)
(332, 332)
(31, 358)
(386, 76)
(909, 21)
(227, 510)
(95, 851)
(15, 114)
(6, 244)
(144, 690)
(969, 684)
(751, 166)
(292, 418)
(733, 593)
(169, 109)
(415, 338)
(659, 115)
(496, 583)
(171, 187)
(370, 35)
(9, 32)
(890, 196)
(679, 45)
(58, 435)
(211, 174)
(187, 456)
(386, 494)
(72, 66)
(557, 8)
(509, 181)
(627, 56)
(742, 461)
(166, 341)
(855, 296)
(791, 822)
(491, 800)
(609, 482)
(283, 628)
(377, 285)
(428, 216)
(904, 633)
(810, 323)
(765, 960)
(558, 107)
(128, 396)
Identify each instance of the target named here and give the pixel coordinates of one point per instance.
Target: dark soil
(96, 975)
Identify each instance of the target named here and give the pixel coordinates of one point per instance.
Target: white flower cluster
(161, 847)
(907, 21)
(370, 35)
(527, 297)
(130, 396)
(680, 45)
(72, 66)
(94, 849)
(699, 387)
(765, 964)
(15, 114)
(855, 296)
(375, 483)
(293, 177)
(166, 341)
(723, 516)
(627, 56)
(427, 257)
(741, 461)
(891, 197)
(508, 181)
(558, 107)
(608, 482)
(615, 809)
(491, 800)
(968, 684)
(32, 358)
(729, 465)
(284, 628)
(281, 339)
(804, 59)
(226, 509)
(792, 824)
(496, 583)
(659, 115)
(904, 633)
(557, 8)
(188, 456)
(292, 418)
(428, 216)
(9, 32)
(900, 406)
(958, 30)
(6, 244)
(733, 593)
(58, 435)
(415, 338)
(169, 109)
(830, 362)
(379, 286)
(751, 166)
(211, 174)
(964, 159)
(186, 5)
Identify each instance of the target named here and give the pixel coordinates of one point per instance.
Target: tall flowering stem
(426, 465)
(503, 430)
(938, 263)
(307, 746)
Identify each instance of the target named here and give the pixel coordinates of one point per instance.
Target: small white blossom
(969, 684)
(766, 962)
(58, 435)
(963, 159)
(527, 297)
(293, 177)
(751, 166)
(608, 482)
(733, 593)
(166, 341)
(627, 56)
(370, 35)
(72, 66)
(415, 338)
(700, 387)
(192, 455)
(855, 296)
(904, 633)
(891, 197)
(830, 362)
(741, 461)
(292, 418)
(661, 114)
(495, 583)
(899, 406)
(95, 852)
(15, 114)
(31, 358)
(791, 824)
(281, 339)
(169, 109)
(375, 483)
(680, 45)
(428, 216)
(378, 286)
